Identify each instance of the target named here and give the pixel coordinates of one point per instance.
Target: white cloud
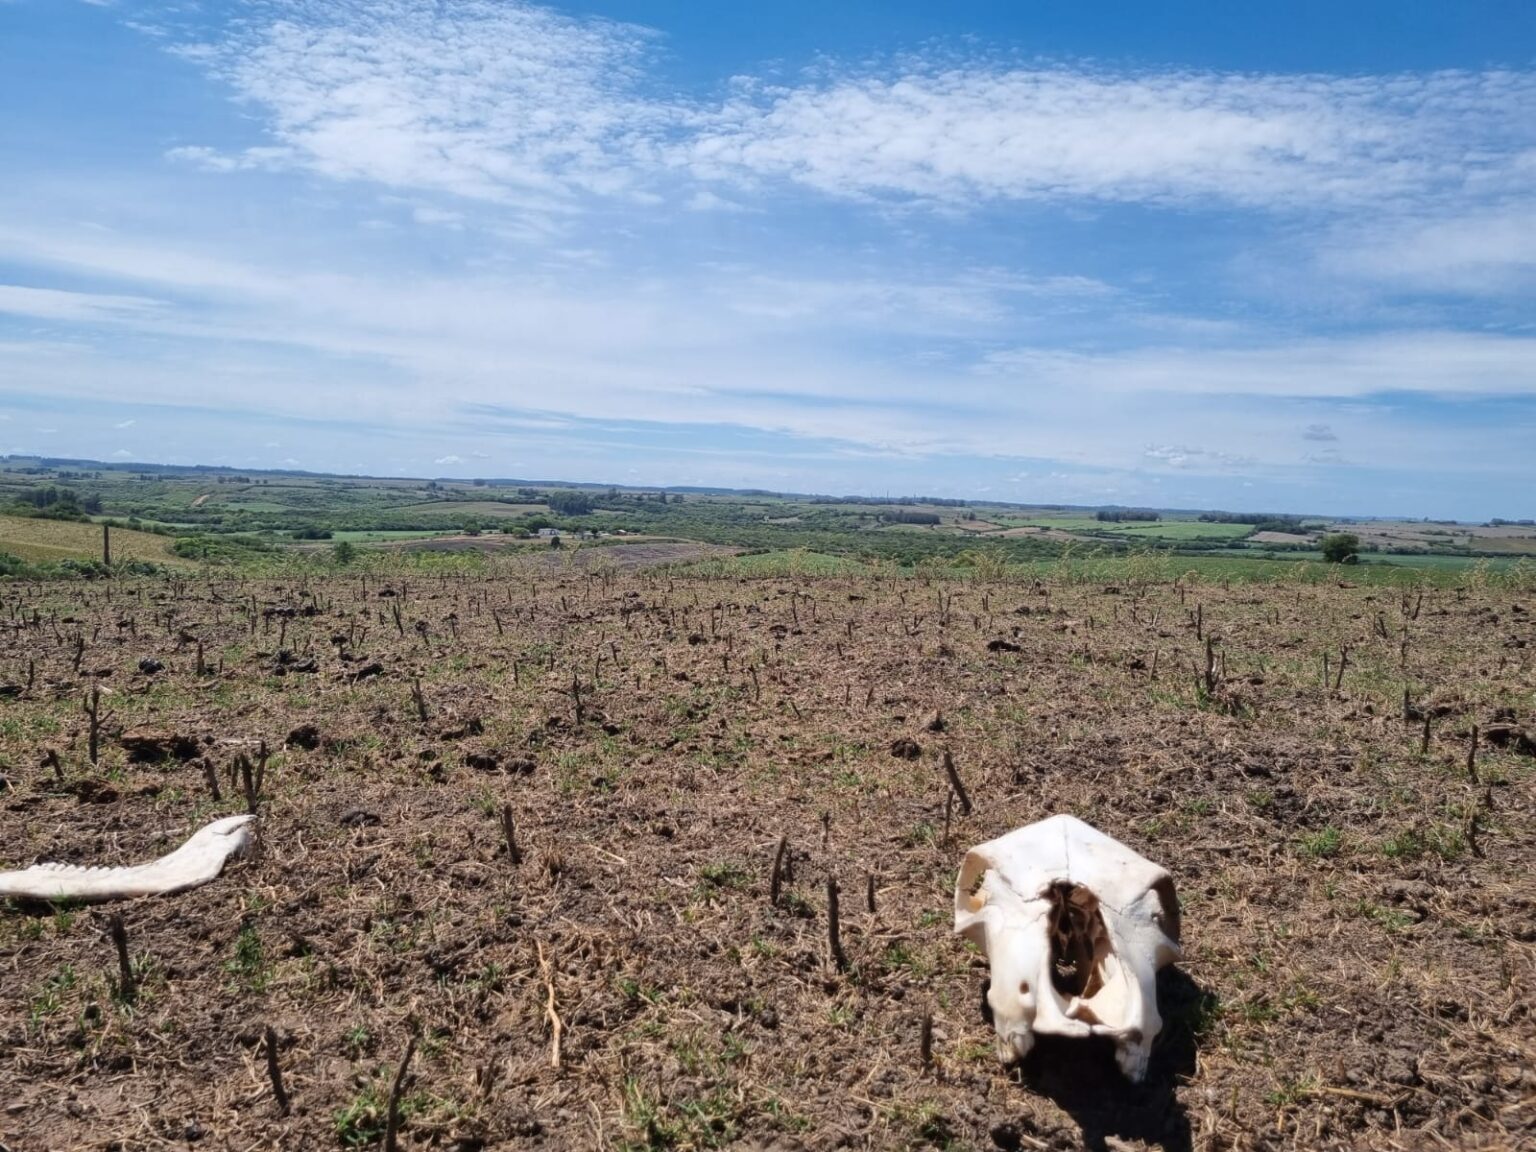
(54, 304)
(1433, 363)
(1181, 456)
(126, 424)
(438, 216)
(122, 454)
(976, 133)
(424, 353)
(1481, 251)
(509, 102)
(491, 100)
(448, 460)
(705, 200)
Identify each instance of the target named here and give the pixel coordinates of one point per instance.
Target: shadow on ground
(1081, 1076)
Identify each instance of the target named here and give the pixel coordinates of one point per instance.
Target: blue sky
(1277, 256)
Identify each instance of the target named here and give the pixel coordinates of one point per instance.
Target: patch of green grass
(709, 1121)
(50, 998)
(902, 956)
(1323, 844)
(249, 962)
(357, 1040)
(919, 834)
(362, 1121)
(1415, 843)
(1392, 919)
(638, 993)
(715, 878)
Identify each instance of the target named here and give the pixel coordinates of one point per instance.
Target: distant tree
(554, 542)
(344, 552)
(1341, 548)
(569, 503)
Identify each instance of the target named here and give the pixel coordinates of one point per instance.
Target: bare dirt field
(1358, 906)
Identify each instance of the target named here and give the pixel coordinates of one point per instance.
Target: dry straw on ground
(681, 767)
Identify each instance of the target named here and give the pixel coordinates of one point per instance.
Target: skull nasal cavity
(1077, 938)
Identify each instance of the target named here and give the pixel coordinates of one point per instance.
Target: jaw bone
(1075, 926)
(196, 862)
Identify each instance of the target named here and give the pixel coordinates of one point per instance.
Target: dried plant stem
(553, 1017)
(392, 1116)
(274, 1072)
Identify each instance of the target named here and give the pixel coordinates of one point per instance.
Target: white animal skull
(196, 862)
(1075, 926)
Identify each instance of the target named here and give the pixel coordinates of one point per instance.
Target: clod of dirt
(1007, 1137)
(149, 745)
(491, 762)
(149, 666)
(366, 672)
(1001, 645)
(906, 748)
(305, 736)
(92, 791)
(474, 726)
(1511, 738)
(360, 818)
(935, 722)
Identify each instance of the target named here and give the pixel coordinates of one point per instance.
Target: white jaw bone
(1075, 926)
(196, 862)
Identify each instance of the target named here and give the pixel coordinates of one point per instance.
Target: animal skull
(196, 862)
(1075, 926)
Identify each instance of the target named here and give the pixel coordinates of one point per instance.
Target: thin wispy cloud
(54, 304)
